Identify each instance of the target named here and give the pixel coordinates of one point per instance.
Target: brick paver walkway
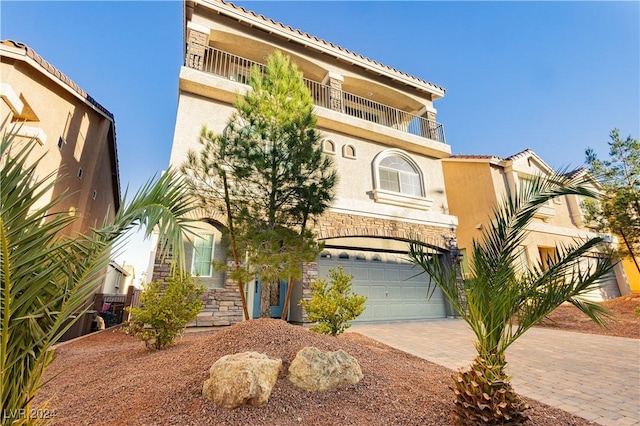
(595, 377)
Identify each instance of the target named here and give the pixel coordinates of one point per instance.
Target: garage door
(389, 283)
(609, 286)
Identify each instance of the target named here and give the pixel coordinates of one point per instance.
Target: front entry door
(278, 294)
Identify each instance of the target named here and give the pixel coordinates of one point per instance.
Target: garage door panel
(396, 310)
(379, 311)
(378, 292)
(409, 292)
(392, 274)
(394, 293)
(363, 290)
(412, 275)
(411, 310)
(360, 274)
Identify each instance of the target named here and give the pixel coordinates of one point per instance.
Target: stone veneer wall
(196, 48)
(222, 306)
(336, 225)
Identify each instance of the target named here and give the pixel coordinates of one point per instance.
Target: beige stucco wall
(471, 192)
(62, 114)
(194, 111)
(356, 182)
(633, 276)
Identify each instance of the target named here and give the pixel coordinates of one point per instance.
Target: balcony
(236, 68)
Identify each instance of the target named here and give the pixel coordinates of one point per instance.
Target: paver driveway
(592, 376)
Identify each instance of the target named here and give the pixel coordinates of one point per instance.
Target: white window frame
(399, 198)
(193, 255)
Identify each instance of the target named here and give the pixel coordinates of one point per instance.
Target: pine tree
(268, 173)
(619, 208)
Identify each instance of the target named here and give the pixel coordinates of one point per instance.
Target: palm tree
(48, 279)
(504, 298)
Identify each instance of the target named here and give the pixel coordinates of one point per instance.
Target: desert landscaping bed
(110, 378)
(624, 323)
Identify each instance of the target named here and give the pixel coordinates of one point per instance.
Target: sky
(555, 77)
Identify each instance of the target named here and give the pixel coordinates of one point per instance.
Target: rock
(316, 370)
(244, 378)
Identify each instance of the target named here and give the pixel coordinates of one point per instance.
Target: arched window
(349, 151)
(329, 146)
(398, 173)
(325, 255)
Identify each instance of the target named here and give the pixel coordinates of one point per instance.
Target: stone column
(334, 81)
(197, 39)
(432, 127)
(309, 274)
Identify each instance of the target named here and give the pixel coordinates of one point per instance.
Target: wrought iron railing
(236, 68)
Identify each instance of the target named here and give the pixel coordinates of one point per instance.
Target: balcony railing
(238, 69)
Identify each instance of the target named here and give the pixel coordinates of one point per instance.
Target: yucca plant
(505, 298)
(47, 280)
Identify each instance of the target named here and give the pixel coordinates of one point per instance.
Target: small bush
(166, 309)
(332, 306)
(636, 311)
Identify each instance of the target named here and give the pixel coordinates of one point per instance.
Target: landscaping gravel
(111, 379)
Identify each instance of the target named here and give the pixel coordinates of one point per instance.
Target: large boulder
(244, 378)
(316, 370)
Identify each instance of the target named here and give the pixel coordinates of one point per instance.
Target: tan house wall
(87, 135)
(633, 276)
(471, 193)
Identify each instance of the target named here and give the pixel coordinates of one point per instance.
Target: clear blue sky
(555, 77)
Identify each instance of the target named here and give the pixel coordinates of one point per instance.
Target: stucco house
(75, 137)
(75, 134)
(118, 279)
(477, 183)
(379, 126)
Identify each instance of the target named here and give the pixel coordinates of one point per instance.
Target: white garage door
(388, 281)
(609, 287)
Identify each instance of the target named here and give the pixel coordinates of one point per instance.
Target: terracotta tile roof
(524, 153)
(577, 172)
(56, 73)
(521, 154)
(326, 43)
(476, 157)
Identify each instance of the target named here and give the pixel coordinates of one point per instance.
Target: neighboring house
(117, 292)
(630, 268)
(75, 135)
(478, 183)
(379, 126)
(118, 279)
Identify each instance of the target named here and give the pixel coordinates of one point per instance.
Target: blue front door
(276, 310)
(257, 292)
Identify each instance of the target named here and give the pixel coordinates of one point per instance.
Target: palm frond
(47, 279)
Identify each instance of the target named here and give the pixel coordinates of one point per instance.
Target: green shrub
(332, 306)
(636, 311)
(166, 309)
